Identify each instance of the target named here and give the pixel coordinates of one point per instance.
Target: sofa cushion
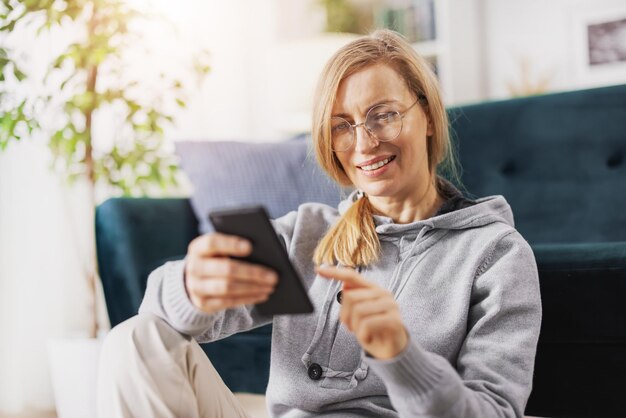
(279, 175)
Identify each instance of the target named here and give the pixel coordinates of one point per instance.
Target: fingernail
(271, 277)
(243, 246)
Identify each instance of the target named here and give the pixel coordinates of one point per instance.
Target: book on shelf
(415, 19)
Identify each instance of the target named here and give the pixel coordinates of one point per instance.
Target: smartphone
(253, 223)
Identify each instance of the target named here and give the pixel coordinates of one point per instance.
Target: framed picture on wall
(600, 47)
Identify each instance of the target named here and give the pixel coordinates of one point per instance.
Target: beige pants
(148, 369)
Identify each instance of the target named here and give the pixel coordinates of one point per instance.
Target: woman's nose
(364, 139)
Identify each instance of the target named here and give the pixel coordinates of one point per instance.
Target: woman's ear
(430, 129)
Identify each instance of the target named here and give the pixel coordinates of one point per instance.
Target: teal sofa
(559, 159)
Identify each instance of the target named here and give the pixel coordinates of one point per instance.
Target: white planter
(73, 367)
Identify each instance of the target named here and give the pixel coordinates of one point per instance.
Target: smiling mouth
(377, 165)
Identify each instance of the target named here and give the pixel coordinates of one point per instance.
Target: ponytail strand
(352, 241)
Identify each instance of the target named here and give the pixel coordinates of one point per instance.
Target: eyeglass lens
(382, 121)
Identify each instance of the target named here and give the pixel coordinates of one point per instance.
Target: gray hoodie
(467, 286)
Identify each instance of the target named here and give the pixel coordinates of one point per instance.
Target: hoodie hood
(484, 211)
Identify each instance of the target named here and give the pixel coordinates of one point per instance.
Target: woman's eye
(384, 116)
(341, 127)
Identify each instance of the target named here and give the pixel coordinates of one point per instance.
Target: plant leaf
(18, 74)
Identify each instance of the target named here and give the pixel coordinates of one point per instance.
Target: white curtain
(44, 242)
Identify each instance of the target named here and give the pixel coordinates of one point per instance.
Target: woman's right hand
(215, 282)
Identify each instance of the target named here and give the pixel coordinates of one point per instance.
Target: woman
(427, 303)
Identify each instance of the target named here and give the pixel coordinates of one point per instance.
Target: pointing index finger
(346, 275)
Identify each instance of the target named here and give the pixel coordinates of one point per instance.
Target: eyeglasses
(383, 122)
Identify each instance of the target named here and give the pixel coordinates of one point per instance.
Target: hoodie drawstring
(397, 283)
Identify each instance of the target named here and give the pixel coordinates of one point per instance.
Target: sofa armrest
(581, 355)
(596, 254)
(133, 236)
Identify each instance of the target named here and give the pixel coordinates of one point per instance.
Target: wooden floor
(254, 404)
(31, 414)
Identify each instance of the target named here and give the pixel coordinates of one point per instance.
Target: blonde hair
(353, 241)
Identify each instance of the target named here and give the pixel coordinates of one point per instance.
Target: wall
(266, 56)
(237, 34)
(546, 33)
(466, 33)
(42, 258)
(246, 94)
(42, 290)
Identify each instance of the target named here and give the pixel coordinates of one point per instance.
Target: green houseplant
(348, 16)
(83, 82)
(86, 80)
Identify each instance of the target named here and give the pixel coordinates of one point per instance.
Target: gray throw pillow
(278, 175)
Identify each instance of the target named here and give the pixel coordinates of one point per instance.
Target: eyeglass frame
(402, 114)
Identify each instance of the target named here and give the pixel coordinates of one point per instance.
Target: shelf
(427, 20)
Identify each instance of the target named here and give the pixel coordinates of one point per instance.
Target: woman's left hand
(370, 312)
